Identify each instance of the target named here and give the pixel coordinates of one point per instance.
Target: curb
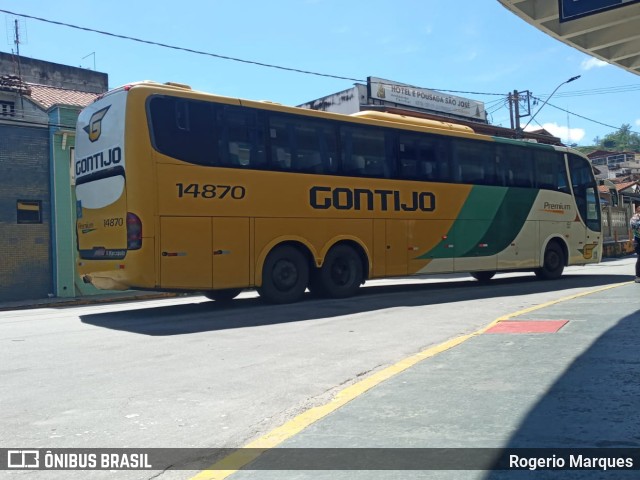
(58, 302)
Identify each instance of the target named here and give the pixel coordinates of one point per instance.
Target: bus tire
(482, 277)
(342, 273)
(224, 295)
(553, 263)
(285, 275)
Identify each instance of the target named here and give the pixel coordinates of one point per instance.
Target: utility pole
(511, 100)
(516, 109)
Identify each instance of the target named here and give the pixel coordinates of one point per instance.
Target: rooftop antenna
(17, 42)
(94, 59)
(16, 39)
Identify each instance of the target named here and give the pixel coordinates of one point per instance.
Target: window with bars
(7, 109)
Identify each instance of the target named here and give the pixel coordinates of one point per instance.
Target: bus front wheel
(285, 275)
(553, 264)
(341, 274)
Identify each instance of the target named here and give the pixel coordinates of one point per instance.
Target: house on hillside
(615, 164)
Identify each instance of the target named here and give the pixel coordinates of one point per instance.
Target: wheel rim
(342, 272)
(553, 260)
(285, 275)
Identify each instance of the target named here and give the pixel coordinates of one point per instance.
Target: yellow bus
(180, 190)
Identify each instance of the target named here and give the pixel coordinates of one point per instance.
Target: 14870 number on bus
(195, 190)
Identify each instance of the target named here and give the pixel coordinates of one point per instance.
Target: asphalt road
(187, 372)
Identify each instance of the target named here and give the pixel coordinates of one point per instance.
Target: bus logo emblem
(94, 129)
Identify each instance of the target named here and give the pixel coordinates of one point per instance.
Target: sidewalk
(577, 387)
(58, 302)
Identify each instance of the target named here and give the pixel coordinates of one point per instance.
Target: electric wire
(216, 55)
(174, 47)
(586, 118)
(498, 103)
(597, 91)
(43, 124)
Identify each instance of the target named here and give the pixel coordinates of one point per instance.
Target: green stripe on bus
(489, 221)
(507, 223)
(475, 218)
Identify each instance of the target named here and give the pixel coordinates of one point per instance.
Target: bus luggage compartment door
(231, 252)
(185, 249)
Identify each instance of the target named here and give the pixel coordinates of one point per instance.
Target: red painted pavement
(528, 326)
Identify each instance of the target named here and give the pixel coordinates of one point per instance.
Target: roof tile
(47, 96)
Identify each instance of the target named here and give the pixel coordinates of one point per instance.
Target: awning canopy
(606, 29)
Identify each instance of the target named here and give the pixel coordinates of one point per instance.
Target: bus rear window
(183, 129)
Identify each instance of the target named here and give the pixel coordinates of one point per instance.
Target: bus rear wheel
(553, 264)
(483, 277)
(285, 275)
(341, 274)
(223, 296)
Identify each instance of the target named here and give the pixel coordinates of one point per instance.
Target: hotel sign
(402, 94)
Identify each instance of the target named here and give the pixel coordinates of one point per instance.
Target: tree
(623, 140)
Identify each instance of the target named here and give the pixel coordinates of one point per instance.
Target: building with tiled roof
(47, 96)
(39, 105)
(40, 99)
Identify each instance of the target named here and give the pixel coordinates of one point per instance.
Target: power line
(216, 55)
(42, 124)
(173, 47)
(586, 118)
(598, 91)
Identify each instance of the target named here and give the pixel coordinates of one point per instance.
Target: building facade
(613, 165)
(37, 135)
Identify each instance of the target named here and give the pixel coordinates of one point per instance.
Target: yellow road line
(250, 452)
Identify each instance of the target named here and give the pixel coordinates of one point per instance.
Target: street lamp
(545, 102)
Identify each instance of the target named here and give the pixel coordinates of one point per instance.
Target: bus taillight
(134, 232)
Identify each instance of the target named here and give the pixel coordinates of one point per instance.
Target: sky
(475, 49)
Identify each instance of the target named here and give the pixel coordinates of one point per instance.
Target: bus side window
(517, 164)
(364, 152)
(407, 159)
(302, 145)
(241, 138)
(475, 161)
(442, 152)
(329, 148)
(280, 140)
(427, 167)
(422, 158)
(550, 171)
(316, 147)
